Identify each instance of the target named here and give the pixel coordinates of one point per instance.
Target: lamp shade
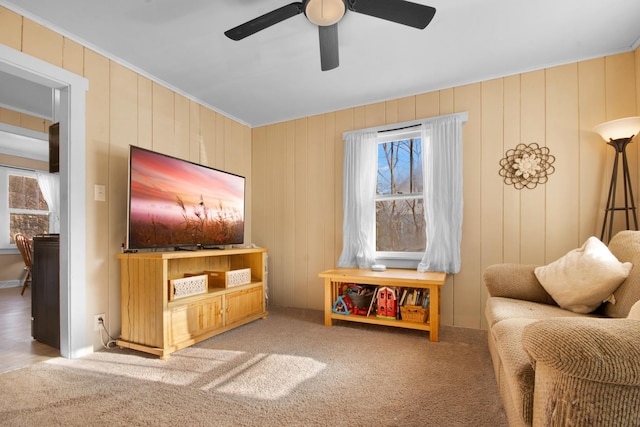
(620, 128)
(325, 12)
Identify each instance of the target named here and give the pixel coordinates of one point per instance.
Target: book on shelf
(373, 300)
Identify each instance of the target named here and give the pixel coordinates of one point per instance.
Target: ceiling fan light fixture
(324, 12)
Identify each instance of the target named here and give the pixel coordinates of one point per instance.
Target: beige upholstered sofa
(555, 367)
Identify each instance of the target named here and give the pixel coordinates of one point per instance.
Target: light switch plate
(99, 193)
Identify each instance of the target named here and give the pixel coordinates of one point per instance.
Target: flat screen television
(178, 204)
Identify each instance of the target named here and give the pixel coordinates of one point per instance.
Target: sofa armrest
(587, 371)
(593, 349)
(515, 281)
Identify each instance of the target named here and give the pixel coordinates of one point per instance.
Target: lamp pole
(620, 146)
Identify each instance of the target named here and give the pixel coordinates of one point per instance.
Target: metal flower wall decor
(526, 166)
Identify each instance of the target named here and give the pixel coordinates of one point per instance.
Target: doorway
(71, 113)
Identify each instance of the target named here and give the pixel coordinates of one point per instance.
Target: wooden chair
(24, 245)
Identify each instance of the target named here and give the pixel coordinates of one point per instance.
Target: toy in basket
(414, 313)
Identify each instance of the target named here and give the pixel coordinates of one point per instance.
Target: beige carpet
(286, 370)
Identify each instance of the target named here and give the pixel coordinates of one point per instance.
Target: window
(399, 202)
(395, 177)
(25, 210)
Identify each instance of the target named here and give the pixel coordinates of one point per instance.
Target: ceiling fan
(327, 13)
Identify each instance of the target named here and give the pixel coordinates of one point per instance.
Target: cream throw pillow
(634, 313)
(582, 279)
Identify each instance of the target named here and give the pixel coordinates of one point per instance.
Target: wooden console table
(390, 277)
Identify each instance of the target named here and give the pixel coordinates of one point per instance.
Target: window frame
(400, 259)
(5, 211)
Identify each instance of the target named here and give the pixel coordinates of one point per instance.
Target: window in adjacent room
(27, 211)
(399, 201)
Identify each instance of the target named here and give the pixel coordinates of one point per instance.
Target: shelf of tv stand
(390, 277)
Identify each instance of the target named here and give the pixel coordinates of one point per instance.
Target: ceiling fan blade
(400, 11)
(328, 47)
(264, 21)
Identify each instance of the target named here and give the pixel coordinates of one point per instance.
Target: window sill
(407, 260)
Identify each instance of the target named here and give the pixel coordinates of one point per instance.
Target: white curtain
(442, 175)
(359, 190)
(49, 184)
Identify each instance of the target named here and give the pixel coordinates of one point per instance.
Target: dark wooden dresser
(45, 291)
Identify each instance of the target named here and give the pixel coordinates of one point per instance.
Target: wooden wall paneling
(428, 105)
(123, 113)
(10, 28)
(315, 209)
(491, 191)
(359, 118)
(182, 142)
(275, 204)
(97, 70)
(194, 132)
(562, 206)
(259, 169)
(620, 85)
(467, 311)
(220, 138)
(259, 184)
(145, 116)
(10, 117)
(328, 194)
(123, 131)
(621, 102)
(533, 207)
(406, 110)
(593, 179)
(246, 171)
(208, 136)
(222, 146)
(374, 114)
(22, 162)
(233, 148)
(31, 122)
(27, 121)
(288, 275)
(391, 111)
(446, 97)
(73, 56)
(637, 66)
(41, 42)
(302, 223)
(163, 120)
(511, 215)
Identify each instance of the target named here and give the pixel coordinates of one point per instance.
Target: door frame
(71, 113)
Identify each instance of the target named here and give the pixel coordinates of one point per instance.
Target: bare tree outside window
(28, 211)
(400, 224)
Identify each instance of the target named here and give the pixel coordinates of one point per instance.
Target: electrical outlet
(96, 321)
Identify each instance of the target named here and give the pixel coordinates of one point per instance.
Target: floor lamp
(618, 134)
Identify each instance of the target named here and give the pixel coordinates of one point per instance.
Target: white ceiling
(275, 75)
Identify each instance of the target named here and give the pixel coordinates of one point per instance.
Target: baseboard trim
(10, 284)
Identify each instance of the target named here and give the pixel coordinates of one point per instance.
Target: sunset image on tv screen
(173, 202)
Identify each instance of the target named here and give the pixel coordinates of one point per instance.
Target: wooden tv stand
(153, 323)
(390, 277)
